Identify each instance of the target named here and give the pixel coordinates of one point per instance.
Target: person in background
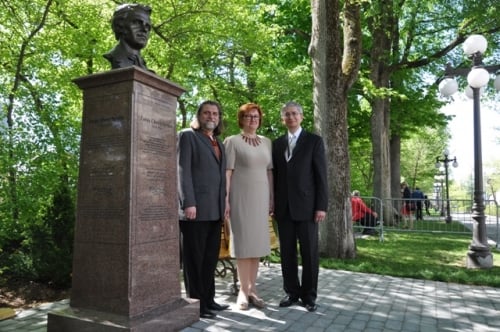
(249, 184)
(418, 200)
(300, 204)
(202, 197)
(427, 204)
(363, 214)
(406, 206)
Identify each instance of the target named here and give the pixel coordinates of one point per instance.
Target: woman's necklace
(254, 141)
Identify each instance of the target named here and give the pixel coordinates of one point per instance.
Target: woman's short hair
(244, 109)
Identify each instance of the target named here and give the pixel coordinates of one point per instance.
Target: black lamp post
(446, 161)
(440, 192)
(479, 254)
(437, 191)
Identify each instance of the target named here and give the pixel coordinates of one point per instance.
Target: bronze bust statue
(131, 24)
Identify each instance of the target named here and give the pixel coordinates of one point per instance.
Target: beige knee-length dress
(249, 196)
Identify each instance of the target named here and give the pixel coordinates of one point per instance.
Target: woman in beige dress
(249, 184)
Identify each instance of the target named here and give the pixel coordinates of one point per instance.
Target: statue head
(131, 24)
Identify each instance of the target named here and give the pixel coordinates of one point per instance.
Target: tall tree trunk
(395, 148)
(333, 76)
(381, 153)
(380, 56)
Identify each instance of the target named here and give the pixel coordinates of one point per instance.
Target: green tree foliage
(229, 51)
(50, 239)
(419, 154)
(232, 51)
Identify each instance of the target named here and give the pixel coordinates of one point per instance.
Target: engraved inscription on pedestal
(155, 229)
(155, 139)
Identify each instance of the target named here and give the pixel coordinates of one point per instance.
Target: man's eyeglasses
(291, 114)
(253, 117)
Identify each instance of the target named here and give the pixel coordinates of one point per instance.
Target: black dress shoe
(218, 307)
(370, 232)
(311, 306)
(288, 301)
(207, 314)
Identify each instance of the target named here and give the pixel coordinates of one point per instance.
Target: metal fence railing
(419, 215)
(376, 205)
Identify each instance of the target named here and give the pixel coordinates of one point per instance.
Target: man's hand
(190, 212)
(319, 216)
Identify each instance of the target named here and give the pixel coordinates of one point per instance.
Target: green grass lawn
(431, 256)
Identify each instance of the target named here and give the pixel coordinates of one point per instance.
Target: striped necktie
(290, 147)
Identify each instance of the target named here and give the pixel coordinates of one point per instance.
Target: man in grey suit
(300, 203)
(202, 195)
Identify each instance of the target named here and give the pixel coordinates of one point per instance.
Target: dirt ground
(22, 295)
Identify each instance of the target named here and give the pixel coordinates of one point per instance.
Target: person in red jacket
(363, 214)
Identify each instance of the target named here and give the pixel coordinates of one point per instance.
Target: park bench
(227, 264)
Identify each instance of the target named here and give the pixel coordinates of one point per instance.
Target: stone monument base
(126, 251)
(173, 317)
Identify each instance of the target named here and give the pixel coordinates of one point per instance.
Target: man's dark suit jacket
(301, 183)
(202, 177)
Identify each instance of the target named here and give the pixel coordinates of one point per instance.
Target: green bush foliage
(44, 252)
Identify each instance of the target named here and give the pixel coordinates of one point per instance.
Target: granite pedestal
(126, 251)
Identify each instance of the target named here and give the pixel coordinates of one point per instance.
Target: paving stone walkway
(347, 301)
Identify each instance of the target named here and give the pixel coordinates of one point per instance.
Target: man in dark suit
(301, 200)
(202, 194)
(418, 199)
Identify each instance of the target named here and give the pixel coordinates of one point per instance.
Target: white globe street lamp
(497, 82)
(479, 254)
(438, 185)
(474, 44)
(470, 94)
(448, 86)
(478, 77)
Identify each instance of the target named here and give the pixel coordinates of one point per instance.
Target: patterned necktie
(215, 146)
(289, 148)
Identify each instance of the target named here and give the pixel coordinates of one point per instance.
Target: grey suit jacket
(301, 183)
(201, 176)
